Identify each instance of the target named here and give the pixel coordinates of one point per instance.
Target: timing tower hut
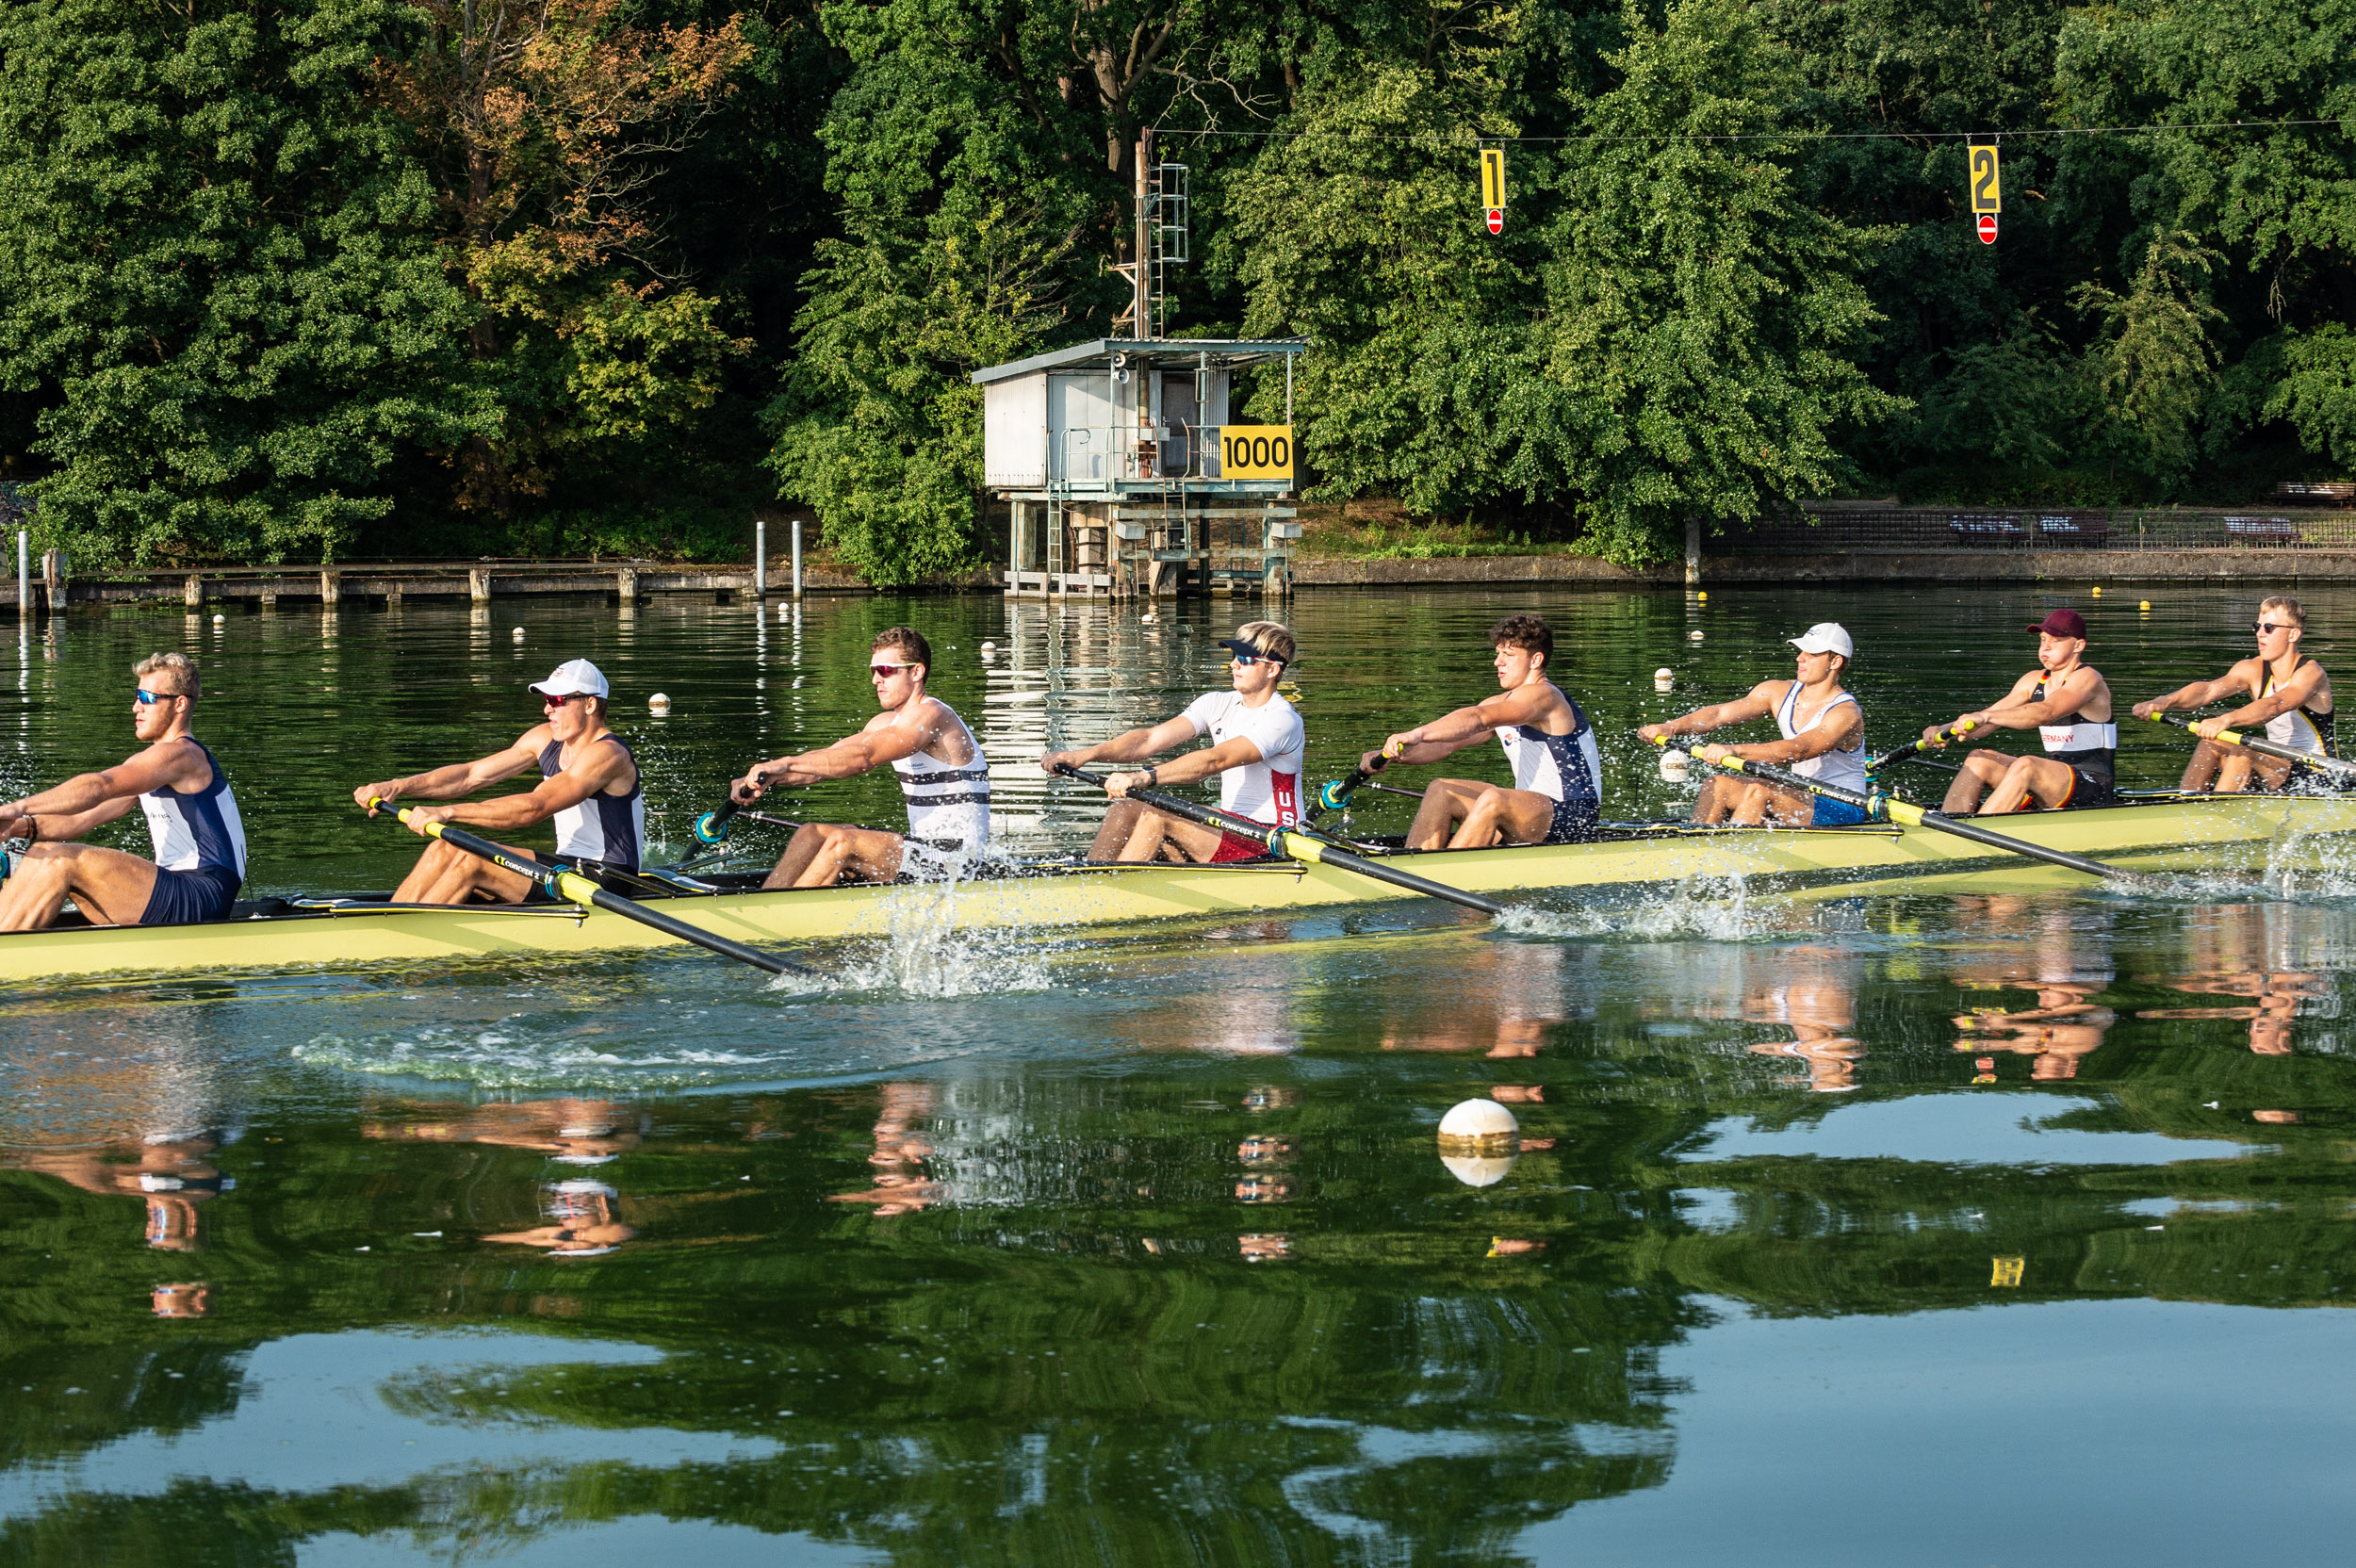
(1123, 475)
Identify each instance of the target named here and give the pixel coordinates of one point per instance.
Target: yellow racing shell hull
(2184, 834)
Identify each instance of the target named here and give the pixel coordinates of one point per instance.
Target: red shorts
(1232, 848)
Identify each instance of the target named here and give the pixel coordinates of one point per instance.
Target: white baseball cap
(578, 677)
(1826, 637)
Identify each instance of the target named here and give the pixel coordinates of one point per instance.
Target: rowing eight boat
(2191, 832)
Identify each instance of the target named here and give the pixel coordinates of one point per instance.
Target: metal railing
(1927, 528)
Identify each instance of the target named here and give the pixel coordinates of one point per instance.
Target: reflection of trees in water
(1385, 1388)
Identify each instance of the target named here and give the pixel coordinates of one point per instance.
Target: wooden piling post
(192, 592)
(479, 584)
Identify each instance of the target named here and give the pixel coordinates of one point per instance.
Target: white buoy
(659, 705)
(1147, 619)
(1695, 635)
(1664, 680)
(1479, 1170)
(1479, 1126)
(223, 620)
(1675, 766)
(517, 634)
(989, 647)
(785, 611)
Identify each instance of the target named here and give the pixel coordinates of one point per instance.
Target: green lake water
(2000, 1226)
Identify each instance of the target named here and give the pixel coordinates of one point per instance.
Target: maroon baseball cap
(2063, 622)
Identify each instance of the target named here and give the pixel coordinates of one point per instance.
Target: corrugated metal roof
(1224, 351)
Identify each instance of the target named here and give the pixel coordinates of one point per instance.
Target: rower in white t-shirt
(1255, 749)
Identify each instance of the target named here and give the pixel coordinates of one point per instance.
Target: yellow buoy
(2098, 592)
(1701, 594)
(2145, 604)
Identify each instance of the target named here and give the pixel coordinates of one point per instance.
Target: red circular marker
(1988, 228)
(1496, 219)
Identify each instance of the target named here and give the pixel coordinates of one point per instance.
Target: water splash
(925, 951)
(514, 1055)
(1713, 908)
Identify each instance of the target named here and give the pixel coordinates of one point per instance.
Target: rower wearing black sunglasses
(944, 780)
(588, 784)
(191, 818)
(2288, 693)
(1255, 752)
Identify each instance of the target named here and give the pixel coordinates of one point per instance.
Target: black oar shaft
(571, 885)
(1297, 844)
(1915, 816)
(2264, 747)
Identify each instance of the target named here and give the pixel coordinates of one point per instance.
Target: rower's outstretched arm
(64, 827)
(1717, 716)
(1133, 745)
(1188, 766)
(162, 766)
(2293, 693)
(459, 779)
(597, 769)
(2234, 683)
(2018, 713)
(1452, 732)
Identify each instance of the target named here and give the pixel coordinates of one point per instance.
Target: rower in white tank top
(948, 806)
(1843, 769)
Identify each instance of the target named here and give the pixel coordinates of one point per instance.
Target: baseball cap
(575, 677)
(2063, 622)
(1826, 637)
(1261, 640)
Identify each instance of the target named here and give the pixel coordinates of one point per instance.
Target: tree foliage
(292, 277)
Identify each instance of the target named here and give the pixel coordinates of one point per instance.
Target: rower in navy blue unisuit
(1823, 741)
(588, 785)
(191, 818)
(1557, 792)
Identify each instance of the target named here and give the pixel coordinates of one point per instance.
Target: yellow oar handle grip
(1302, 848)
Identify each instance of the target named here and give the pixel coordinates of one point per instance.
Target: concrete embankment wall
(1965, 566)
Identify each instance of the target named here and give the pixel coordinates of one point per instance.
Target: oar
(1908, 815)
(575, 887)
(711, 828)
(1297, 844)
(2267, 748)
(1334, 794)
(1912, 751)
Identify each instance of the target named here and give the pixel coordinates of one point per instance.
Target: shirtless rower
(1823, 738)
(588, 783)
(1557, 791)
(2290, 694)
(944, 780)
(1255, 751)
(191, 819)
(2068, 704)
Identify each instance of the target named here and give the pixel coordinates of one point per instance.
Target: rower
(588, 783)
(944, 780)
(1255, 750)
(2068, 704)
(1823, 740)
(1557, 791)
(2289, 693)
(191, 819)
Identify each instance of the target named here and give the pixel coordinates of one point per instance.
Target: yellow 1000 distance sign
(1255, 451)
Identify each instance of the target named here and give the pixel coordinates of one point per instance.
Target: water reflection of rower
(2245, 949)
(1508, 996)
(143, 1125)
(1813, 994)
(582, 1220)
(2066, 1025)
(899, 1183)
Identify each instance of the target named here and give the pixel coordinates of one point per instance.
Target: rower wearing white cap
(1823, 738)
(588, 783)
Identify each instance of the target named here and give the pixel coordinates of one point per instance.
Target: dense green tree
(218, 274)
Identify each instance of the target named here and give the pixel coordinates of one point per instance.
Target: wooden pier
(391, 582)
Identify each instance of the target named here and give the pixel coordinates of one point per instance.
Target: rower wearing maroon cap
(2068, 704)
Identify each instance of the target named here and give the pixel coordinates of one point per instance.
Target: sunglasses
(1245, 661)
(2264, 627)
(884, 672)
(146, 698)
(547, 701)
